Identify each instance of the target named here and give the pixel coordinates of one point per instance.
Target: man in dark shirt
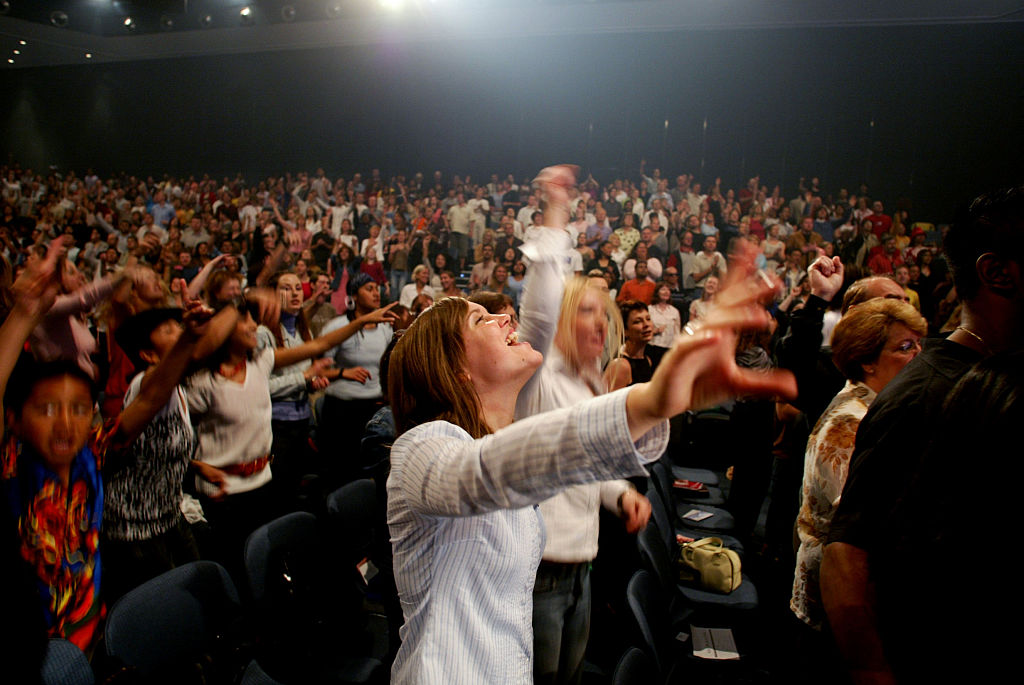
(984, 248)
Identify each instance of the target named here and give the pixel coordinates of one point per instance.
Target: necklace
(233, 371)
(968, 331)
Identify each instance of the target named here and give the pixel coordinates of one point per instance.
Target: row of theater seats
(663, 610)
(301, 617)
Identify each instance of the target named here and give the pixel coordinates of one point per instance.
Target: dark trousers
(341, 429)
(128, 564)
(293, 458)
(232, 520)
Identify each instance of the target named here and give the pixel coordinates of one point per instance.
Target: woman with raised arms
(464, 477)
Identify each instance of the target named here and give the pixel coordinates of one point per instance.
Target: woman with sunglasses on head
(467, 541)
(356, 394)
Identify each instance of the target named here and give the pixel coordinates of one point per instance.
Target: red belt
(249, 468)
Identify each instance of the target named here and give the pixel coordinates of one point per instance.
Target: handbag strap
(690, 548)
(704, 542)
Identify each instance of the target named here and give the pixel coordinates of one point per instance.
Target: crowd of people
(240, 339)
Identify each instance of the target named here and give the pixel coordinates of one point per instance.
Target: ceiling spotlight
(10, 61)
(59, 19)
(332, 9)
(21, 42)
(246, 15)
(88, 55)
(5, 6)
(206, 21)
(288, 13)
(17, 52)
(166, 22)
(129, 24)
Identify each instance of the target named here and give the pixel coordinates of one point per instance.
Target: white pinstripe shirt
(467, 535)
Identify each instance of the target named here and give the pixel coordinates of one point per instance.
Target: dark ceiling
(37, 33)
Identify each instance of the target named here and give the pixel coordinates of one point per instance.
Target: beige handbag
(707, 563)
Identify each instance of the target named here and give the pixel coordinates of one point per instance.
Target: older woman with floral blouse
(870, 345)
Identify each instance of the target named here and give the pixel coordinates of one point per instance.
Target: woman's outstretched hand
(700, 370)
(382, 315)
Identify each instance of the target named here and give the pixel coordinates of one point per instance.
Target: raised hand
(826, 277)
(555, 182)
(150, 244)
(196, 318)
(382, 315)
(39, 284)
(700, 370)
(268, 303)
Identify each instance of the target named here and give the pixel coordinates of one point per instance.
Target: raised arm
(34, 293)
(85, 298)
(542, 290)
(160, 382)
(440, 471)
(287, 225)
(799, 349)
(270, 265)
(286, 356)
(104, 225)
(195, 286)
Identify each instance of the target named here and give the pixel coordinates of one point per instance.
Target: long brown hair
(301, 319)
(427, 379)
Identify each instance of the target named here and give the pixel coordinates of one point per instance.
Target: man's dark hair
(28, 372)
(992, 222)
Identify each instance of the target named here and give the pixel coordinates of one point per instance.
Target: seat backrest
(662, 478)
(352, 510)
(703, 437)
(661, 515)
(655, 557)
(650, 616)
(634, 668)
(305, 597)
(173, 619)
(288, 535)
(65, 664)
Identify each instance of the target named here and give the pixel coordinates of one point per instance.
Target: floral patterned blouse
(60, 531)
(826, 464)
